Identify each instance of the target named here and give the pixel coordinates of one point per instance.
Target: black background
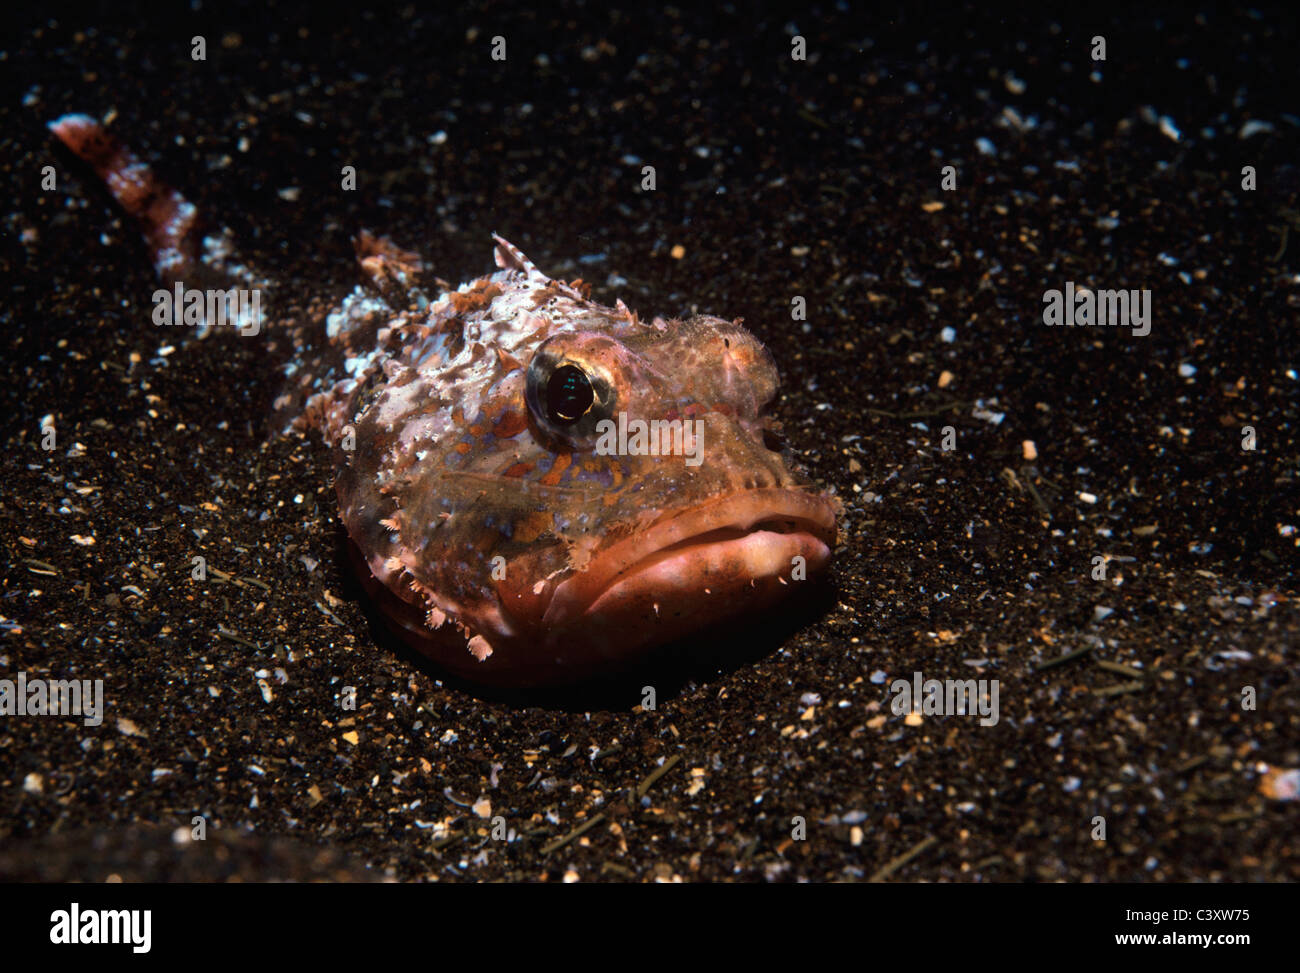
(827, 167)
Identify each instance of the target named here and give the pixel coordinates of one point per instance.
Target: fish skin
(490, 533)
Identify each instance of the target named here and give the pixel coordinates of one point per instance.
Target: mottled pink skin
(490, 532)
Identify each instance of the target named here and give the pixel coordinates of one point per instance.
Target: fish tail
(166, 218)
(236, 294)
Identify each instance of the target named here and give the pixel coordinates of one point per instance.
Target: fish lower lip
(711, 549)
(718, 577)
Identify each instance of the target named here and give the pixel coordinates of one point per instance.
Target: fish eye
(569, 395)
(571, 387)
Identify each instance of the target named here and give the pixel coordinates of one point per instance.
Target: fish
(536, 489)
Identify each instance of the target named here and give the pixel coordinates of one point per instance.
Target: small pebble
(1280, 785)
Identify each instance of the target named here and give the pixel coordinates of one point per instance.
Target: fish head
(582, 487)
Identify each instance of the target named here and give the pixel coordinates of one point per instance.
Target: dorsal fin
(510, 257)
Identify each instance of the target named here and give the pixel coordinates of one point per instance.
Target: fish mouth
(713, 561)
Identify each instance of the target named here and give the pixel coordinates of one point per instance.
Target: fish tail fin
(167, 220)
(170, 223)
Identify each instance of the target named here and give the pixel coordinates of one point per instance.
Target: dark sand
(971, 563)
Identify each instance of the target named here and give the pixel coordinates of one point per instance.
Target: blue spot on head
(603, 477)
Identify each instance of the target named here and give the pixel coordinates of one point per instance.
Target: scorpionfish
(536, 488)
